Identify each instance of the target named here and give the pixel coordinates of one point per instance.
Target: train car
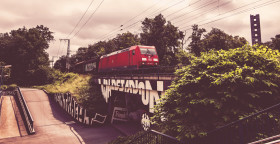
(132, 58)
(89, 66)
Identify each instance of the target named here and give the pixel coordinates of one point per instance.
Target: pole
(52, 61)
(68, 54)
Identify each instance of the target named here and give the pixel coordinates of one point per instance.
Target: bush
(90, 97)
(217, 88)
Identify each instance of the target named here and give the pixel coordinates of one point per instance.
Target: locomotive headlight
(155, 59)
(144, 59)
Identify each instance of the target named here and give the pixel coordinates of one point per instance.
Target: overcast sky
(107, 18)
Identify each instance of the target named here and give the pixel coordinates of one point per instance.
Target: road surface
(54, 126)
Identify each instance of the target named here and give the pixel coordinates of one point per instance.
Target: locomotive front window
(148, 51)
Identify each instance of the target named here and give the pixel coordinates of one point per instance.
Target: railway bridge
(132, 97)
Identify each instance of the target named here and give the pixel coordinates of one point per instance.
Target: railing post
(241, 133)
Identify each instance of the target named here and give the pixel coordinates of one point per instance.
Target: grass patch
(82, 87)
(67, 83)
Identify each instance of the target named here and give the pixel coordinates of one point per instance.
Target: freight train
(132, 58)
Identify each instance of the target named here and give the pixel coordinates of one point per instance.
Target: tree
(216, 39)
(25, 50)
(219, 87)
(274, 43)
(126, 40)
(165, 37)
(195, 44)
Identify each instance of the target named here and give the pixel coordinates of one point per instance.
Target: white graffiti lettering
(148, 95)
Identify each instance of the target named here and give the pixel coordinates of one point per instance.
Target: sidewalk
(8, 122)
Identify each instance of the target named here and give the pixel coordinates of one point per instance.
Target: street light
(2, 70)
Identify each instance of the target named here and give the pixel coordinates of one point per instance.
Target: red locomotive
(134, 57)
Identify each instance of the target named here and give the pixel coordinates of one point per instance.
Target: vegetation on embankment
(218, 88)
(66, 82)
(82, 87)
(127, 139)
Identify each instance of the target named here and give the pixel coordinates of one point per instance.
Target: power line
(202, 13)
(134, 24)
(239, 12)
(142, 12)
(153, 13)
(115, 31)
(183, 8)
(88, 19)
(80, 19)
(202, 6)
(225, 12)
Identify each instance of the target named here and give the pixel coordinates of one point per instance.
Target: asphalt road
(54, 126)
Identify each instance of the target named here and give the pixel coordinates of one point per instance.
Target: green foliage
(63, 82)
(90, 96)
(218, 88)
(25, 50)
(183, 57)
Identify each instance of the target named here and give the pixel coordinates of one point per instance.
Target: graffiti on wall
(149, 90)
(70, 105)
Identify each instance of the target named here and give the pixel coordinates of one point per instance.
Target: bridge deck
(140, 76)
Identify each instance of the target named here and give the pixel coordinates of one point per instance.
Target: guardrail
(0, 103)
(24, 111)
(154, 137)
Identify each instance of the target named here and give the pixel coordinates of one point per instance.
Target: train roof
(87, 61)
(126, 49)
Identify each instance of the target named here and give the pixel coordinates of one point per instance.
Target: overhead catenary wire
(198, 8)
(117, 29)
(139, 20)
(135, 23)
(198, 15)
(87, 19)
(183, 8)
(80, 19)
(230, 15)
